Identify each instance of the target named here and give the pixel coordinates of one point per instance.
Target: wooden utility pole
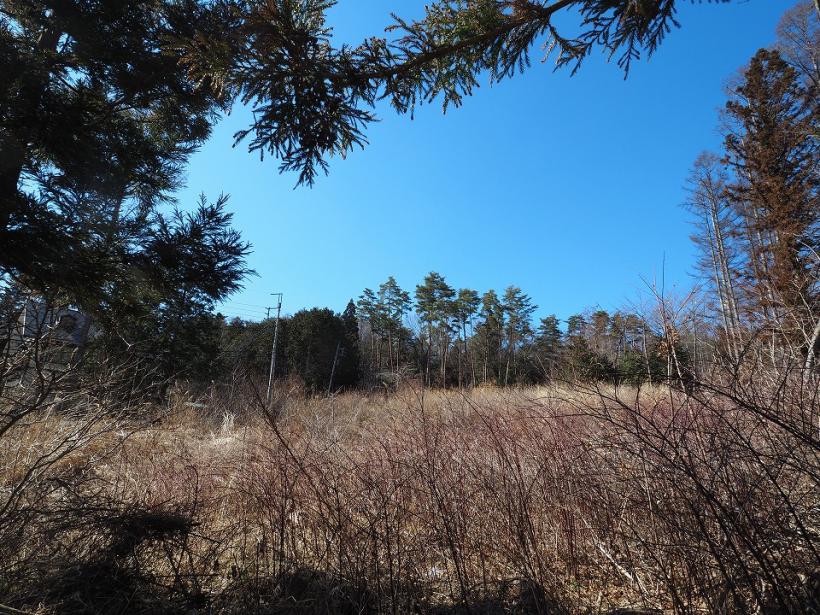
(273, 349)
(333, 369)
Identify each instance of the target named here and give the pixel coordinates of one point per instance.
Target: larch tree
(798, 42)
(771, 149)
(715, 228)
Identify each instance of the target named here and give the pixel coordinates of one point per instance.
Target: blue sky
(569, 187)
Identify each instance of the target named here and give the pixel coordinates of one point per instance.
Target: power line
(246, 317)
(243, 309)
(250, 305)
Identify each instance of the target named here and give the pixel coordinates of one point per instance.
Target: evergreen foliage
(162, 302)
(317, 345)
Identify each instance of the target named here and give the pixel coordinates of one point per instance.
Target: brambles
(562, 499)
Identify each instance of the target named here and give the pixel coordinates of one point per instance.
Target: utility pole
(333, 369)
(273, 350)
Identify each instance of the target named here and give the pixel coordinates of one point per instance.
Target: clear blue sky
(569, 187)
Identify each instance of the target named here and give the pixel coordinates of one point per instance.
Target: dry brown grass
(562, 499)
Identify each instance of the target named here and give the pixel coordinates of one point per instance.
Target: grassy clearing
(563, 499)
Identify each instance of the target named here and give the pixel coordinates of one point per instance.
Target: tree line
(446, 337)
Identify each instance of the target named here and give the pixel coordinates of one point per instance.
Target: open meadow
(582, 499)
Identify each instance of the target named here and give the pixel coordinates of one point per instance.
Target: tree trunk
(718, 269)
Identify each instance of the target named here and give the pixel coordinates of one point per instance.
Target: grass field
(545, 500)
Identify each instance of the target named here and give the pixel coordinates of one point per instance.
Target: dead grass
(549, 500)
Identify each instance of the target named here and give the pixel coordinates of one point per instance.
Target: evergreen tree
(583, 363)
(599, 332)
(395, 304)
(245, 349)
(580, 360)
(776, 191)
(576, 326)
(435, 307)
(384, 312)
(352, 357)
(548, 345)
(351, 322)
(490, 333)
(465, 307)
(164, 309)
(518, 309)
(634, 368)
(96, 121)
(316, 340)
